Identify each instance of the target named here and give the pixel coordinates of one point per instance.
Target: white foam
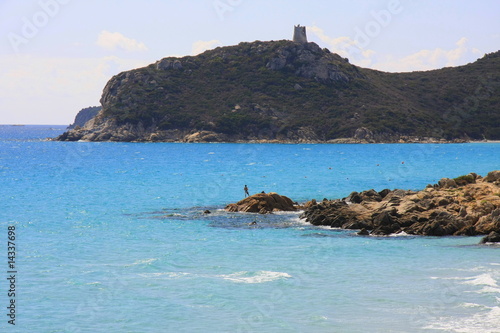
(446, 278)
(294, 214)
(474, 269)
(471, 305)
(238, 277)
(483, 279)
(326, 227)
(257, 277)
(172, 275)
(489, 289)
(142, 262)
(93, 283)
(401, 234)
(486, 317)
(484, 322)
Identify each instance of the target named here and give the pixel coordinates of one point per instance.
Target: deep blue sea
(111, 237)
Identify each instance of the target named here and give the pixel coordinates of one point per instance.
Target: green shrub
(464, 180)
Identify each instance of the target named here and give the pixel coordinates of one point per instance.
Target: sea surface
(111, 237)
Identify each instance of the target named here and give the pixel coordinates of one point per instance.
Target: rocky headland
(288, 92)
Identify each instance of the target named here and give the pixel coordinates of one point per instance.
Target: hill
(291, 92)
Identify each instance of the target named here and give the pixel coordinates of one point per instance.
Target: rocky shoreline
(110, 132)
(464, 206)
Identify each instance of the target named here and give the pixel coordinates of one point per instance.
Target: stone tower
(299, 34)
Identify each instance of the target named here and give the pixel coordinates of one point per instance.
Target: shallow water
(111, 237)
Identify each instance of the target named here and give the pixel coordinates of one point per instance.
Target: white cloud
(419, 61)
(345, 47)
(115, 40)
(338, 45)
(36, 90)
(432, 59)
(201, 46)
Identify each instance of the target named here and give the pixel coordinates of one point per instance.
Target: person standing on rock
(246, 191)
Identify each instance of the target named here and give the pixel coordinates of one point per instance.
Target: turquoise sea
(111, 237)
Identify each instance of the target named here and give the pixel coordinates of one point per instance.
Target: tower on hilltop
(299, 34)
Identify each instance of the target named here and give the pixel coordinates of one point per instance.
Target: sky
(57, 55)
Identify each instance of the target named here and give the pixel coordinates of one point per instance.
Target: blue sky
(57, 55)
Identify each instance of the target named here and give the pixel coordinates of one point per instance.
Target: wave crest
(255, 277)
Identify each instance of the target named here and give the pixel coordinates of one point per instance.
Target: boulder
(363, 232)
(363, 133)
(311, 203)
(354, 197)
(333, 213)
(177, 64)
(385, 223)
(384, 193)
(466, 179)
(492, 176)
(489, 222)
(167, 63)
(277, 63)
(164, 64)
(370, 195)
(447, 183)
(492, 237)
(203, 136)
(356, 225)
(263, 203)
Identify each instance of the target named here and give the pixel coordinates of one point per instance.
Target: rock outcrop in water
(492, 237)
(263, 203)
(467, 205)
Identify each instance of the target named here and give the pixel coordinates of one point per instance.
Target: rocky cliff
(289, 92)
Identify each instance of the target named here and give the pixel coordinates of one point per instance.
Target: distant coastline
(303, 141)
